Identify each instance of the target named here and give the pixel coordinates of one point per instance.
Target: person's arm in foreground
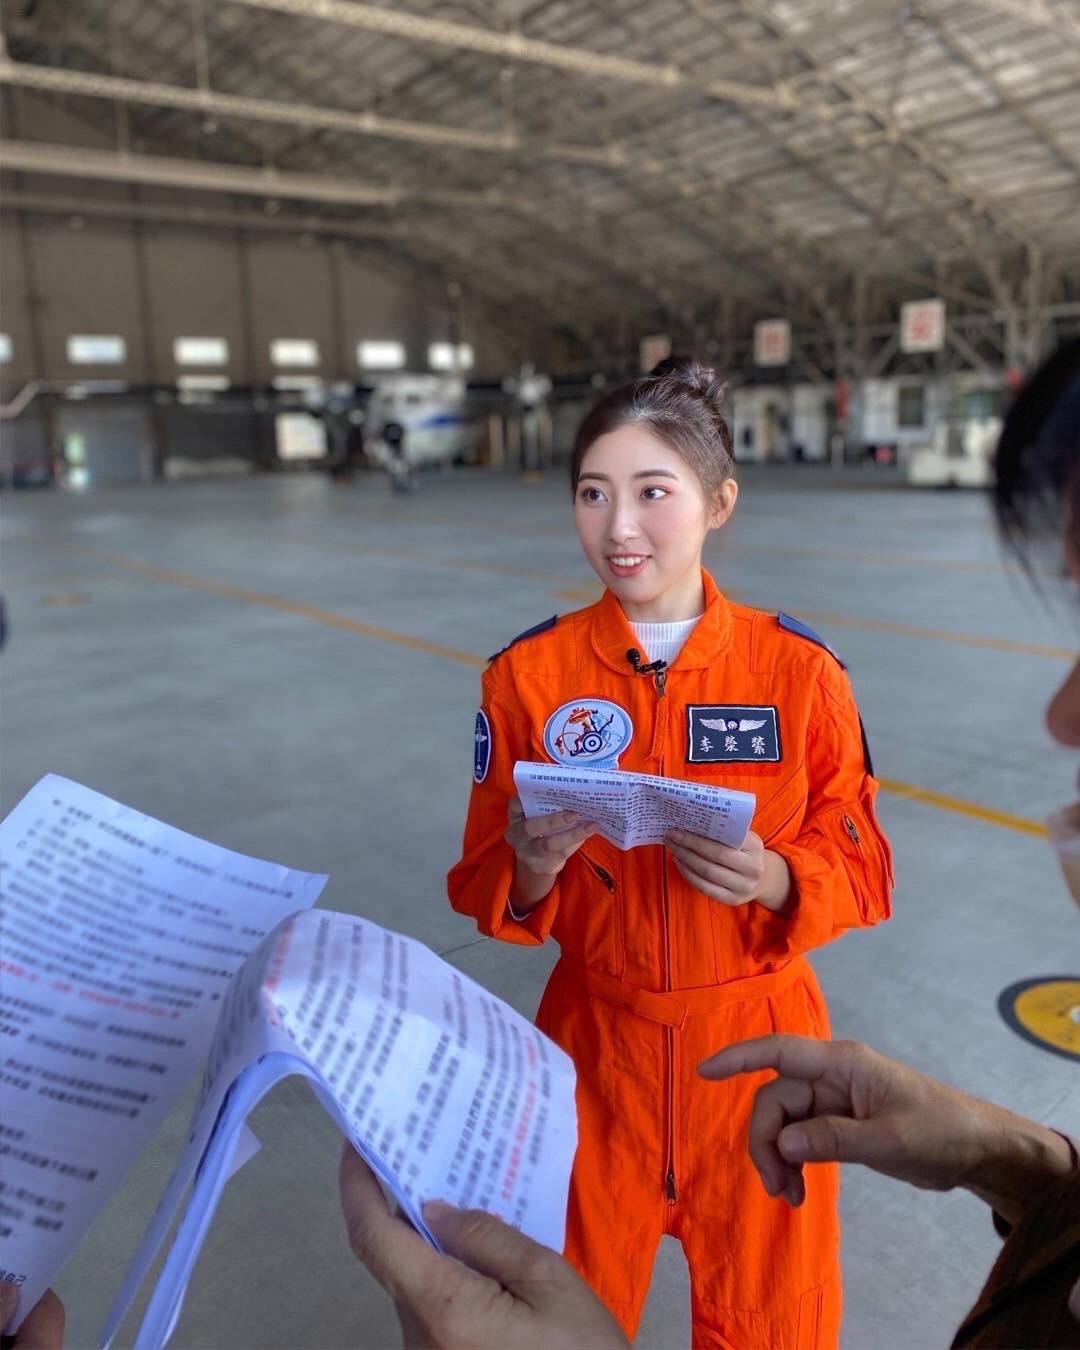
(840, 1101)
(495, 1289)
(43, 1326)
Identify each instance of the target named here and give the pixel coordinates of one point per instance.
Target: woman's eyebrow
(645, 473)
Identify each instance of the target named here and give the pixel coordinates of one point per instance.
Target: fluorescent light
(201, 351)
(93, 349)
(444, 356)
(5, 347)
(294, 352)
(381, 355)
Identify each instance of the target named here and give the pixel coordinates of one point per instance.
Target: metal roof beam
(204, 102)
(961, 48)
(111, 166)
(516, 47)
(1039, 14)
(39, 157)
(197, 217)
(895, 136)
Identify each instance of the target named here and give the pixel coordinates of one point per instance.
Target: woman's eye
(654, 494)
(591, 494)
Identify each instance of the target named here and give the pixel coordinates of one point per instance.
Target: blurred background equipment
(214, 214)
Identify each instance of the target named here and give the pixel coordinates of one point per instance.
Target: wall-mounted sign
(772, 342)
(922, 326)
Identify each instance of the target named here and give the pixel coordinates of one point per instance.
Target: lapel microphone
(653, 668)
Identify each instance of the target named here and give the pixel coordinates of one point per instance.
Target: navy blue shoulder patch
(534, 631)
(791, 625)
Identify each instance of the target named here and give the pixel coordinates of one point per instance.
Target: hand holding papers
(635, 808)
(132, 952)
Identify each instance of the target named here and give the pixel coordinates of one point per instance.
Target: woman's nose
(623, 524)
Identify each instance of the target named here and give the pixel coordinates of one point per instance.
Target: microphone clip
(656, 668)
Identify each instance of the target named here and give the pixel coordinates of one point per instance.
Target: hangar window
(201, 351)
(294, 352)
(381, 355)
(444, 356)
(911, 405)
(93, 349)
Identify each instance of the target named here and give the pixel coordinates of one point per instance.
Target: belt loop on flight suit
(672, 1009)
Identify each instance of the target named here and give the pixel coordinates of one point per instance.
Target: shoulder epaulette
(791, 625)
(534, 631)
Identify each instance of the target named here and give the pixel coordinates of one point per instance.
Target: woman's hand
(543, 844)
(733, 876)
(542, 847)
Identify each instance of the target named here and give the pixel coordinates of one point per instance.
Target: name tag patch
(731, 734)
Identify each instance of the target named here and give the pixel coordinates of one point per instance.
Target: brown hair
(679, 401)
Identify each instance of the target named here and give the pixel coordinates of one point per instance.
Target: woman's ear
(723, 503)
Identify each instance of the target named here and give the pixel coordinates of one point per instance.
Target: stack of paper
(635, 808)
(132, 952)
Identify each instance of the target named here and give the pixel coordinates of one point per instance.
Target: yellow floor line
(938, 635)
(326, 616)
(436, 560)
(334, 620)
(585, 592)
(1004, 819)
(980, 565)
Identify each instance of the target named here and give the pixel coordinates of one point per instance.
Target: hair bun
(693, 376)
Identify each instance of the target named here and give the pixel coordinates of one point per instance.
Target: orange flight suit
(654, 976)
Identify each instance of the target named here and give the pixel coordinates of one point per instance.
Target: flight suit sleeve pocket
(853, 831)
(842, 878)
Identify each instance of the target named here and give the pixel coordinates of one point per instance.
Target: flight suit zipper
(671, 1191)
(601, 872)
(670, 1188)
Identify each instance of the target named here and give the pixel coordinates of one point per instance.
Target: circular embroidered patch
(589, 731)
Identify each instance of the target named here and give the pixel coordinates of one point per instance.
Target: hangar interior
(239, 239)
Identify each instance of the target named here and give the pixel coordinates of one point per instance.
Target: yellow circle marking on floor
(1049, 1011)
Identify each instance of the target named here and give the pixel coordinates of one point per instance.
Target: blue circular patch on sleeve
(481, 747)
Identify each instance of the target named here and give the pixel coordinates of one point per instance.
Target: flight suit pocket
(853, 829)
(590, 924)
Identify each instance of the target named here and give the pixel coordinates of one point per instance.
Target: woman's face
(642, 517)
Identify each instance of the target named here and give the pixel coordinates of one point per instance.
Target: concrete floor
(252, 715)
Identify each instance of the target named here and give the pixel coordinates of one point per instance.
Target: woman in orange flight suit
(669, 952)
